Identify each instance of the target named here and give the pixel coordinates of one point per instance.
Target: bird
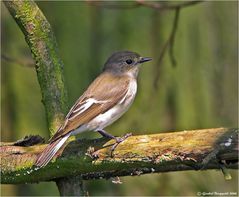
(105, 100)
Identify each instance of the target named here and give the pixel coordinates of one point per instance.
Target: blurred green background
(200, 92)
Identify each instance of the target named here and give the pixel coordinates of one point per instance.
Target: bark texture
(91, 159)
(49, 66)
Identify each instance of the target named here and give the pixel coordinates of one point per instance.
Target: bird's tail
(48, 153)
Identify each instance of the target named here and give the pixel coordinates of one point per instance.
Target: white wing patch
(84, 106)
(103, 120)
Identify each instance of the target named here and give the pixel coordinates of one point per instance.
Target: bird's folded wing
(103, 94)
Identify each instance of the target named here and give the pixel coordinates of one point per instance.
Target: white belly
(107, 118)
(104, 120)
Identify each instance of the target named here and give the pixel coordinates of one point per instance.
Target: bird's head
(124, 62)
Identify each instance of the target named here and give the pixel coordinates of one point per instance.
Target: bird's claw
(118, 141)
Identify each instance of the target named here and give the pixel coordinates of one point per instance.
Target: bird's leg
(105, 134)
(117, 139)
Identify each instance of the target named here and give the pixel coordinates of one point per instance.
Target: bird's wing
(104, 93)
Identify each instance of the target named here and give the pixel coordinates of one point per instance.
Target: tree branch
(71, 186)
(172, 37)
(163, 6)
(159, 6)
(113, 5)
(49, 67)
(91, 159)
(23, 61)
(168, 44)
(139, 3)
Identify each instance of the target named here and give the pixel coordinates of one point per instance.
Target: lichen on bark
(91, 159)
(49, 66)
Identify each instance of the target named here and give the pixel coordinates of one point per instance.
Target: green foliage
(200, 92)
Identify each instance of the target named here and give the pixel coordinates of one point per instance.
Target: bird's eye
(129, 61)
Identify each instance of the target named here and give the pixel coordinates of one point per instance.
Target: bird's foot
(118, 141)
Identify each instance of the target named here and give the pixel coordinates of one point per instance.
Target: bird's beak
(144, 59)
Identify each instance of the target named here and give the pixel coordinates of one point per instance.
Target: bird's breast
(107, 118)
(130, 95)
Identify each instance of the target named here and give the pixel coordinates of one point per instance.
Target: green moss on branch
(49, 67)
(186, 150)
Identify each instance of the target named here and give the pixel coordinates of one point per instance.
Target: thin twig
(160, 6)
(139, 3)
(25, 62)
(172, 37)
(157, 6)
(168, 44)
(110, 5)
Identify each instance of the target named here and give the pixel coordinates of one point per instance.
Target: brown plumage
(114, 89)
(104, 101)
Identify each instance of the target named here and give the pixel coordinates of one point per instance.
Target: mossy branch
(49, 67)
(91, 159)
(187, 150)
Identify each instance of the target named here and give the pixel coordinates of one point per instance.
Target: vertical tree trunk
(49, 68)
(71, 186)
